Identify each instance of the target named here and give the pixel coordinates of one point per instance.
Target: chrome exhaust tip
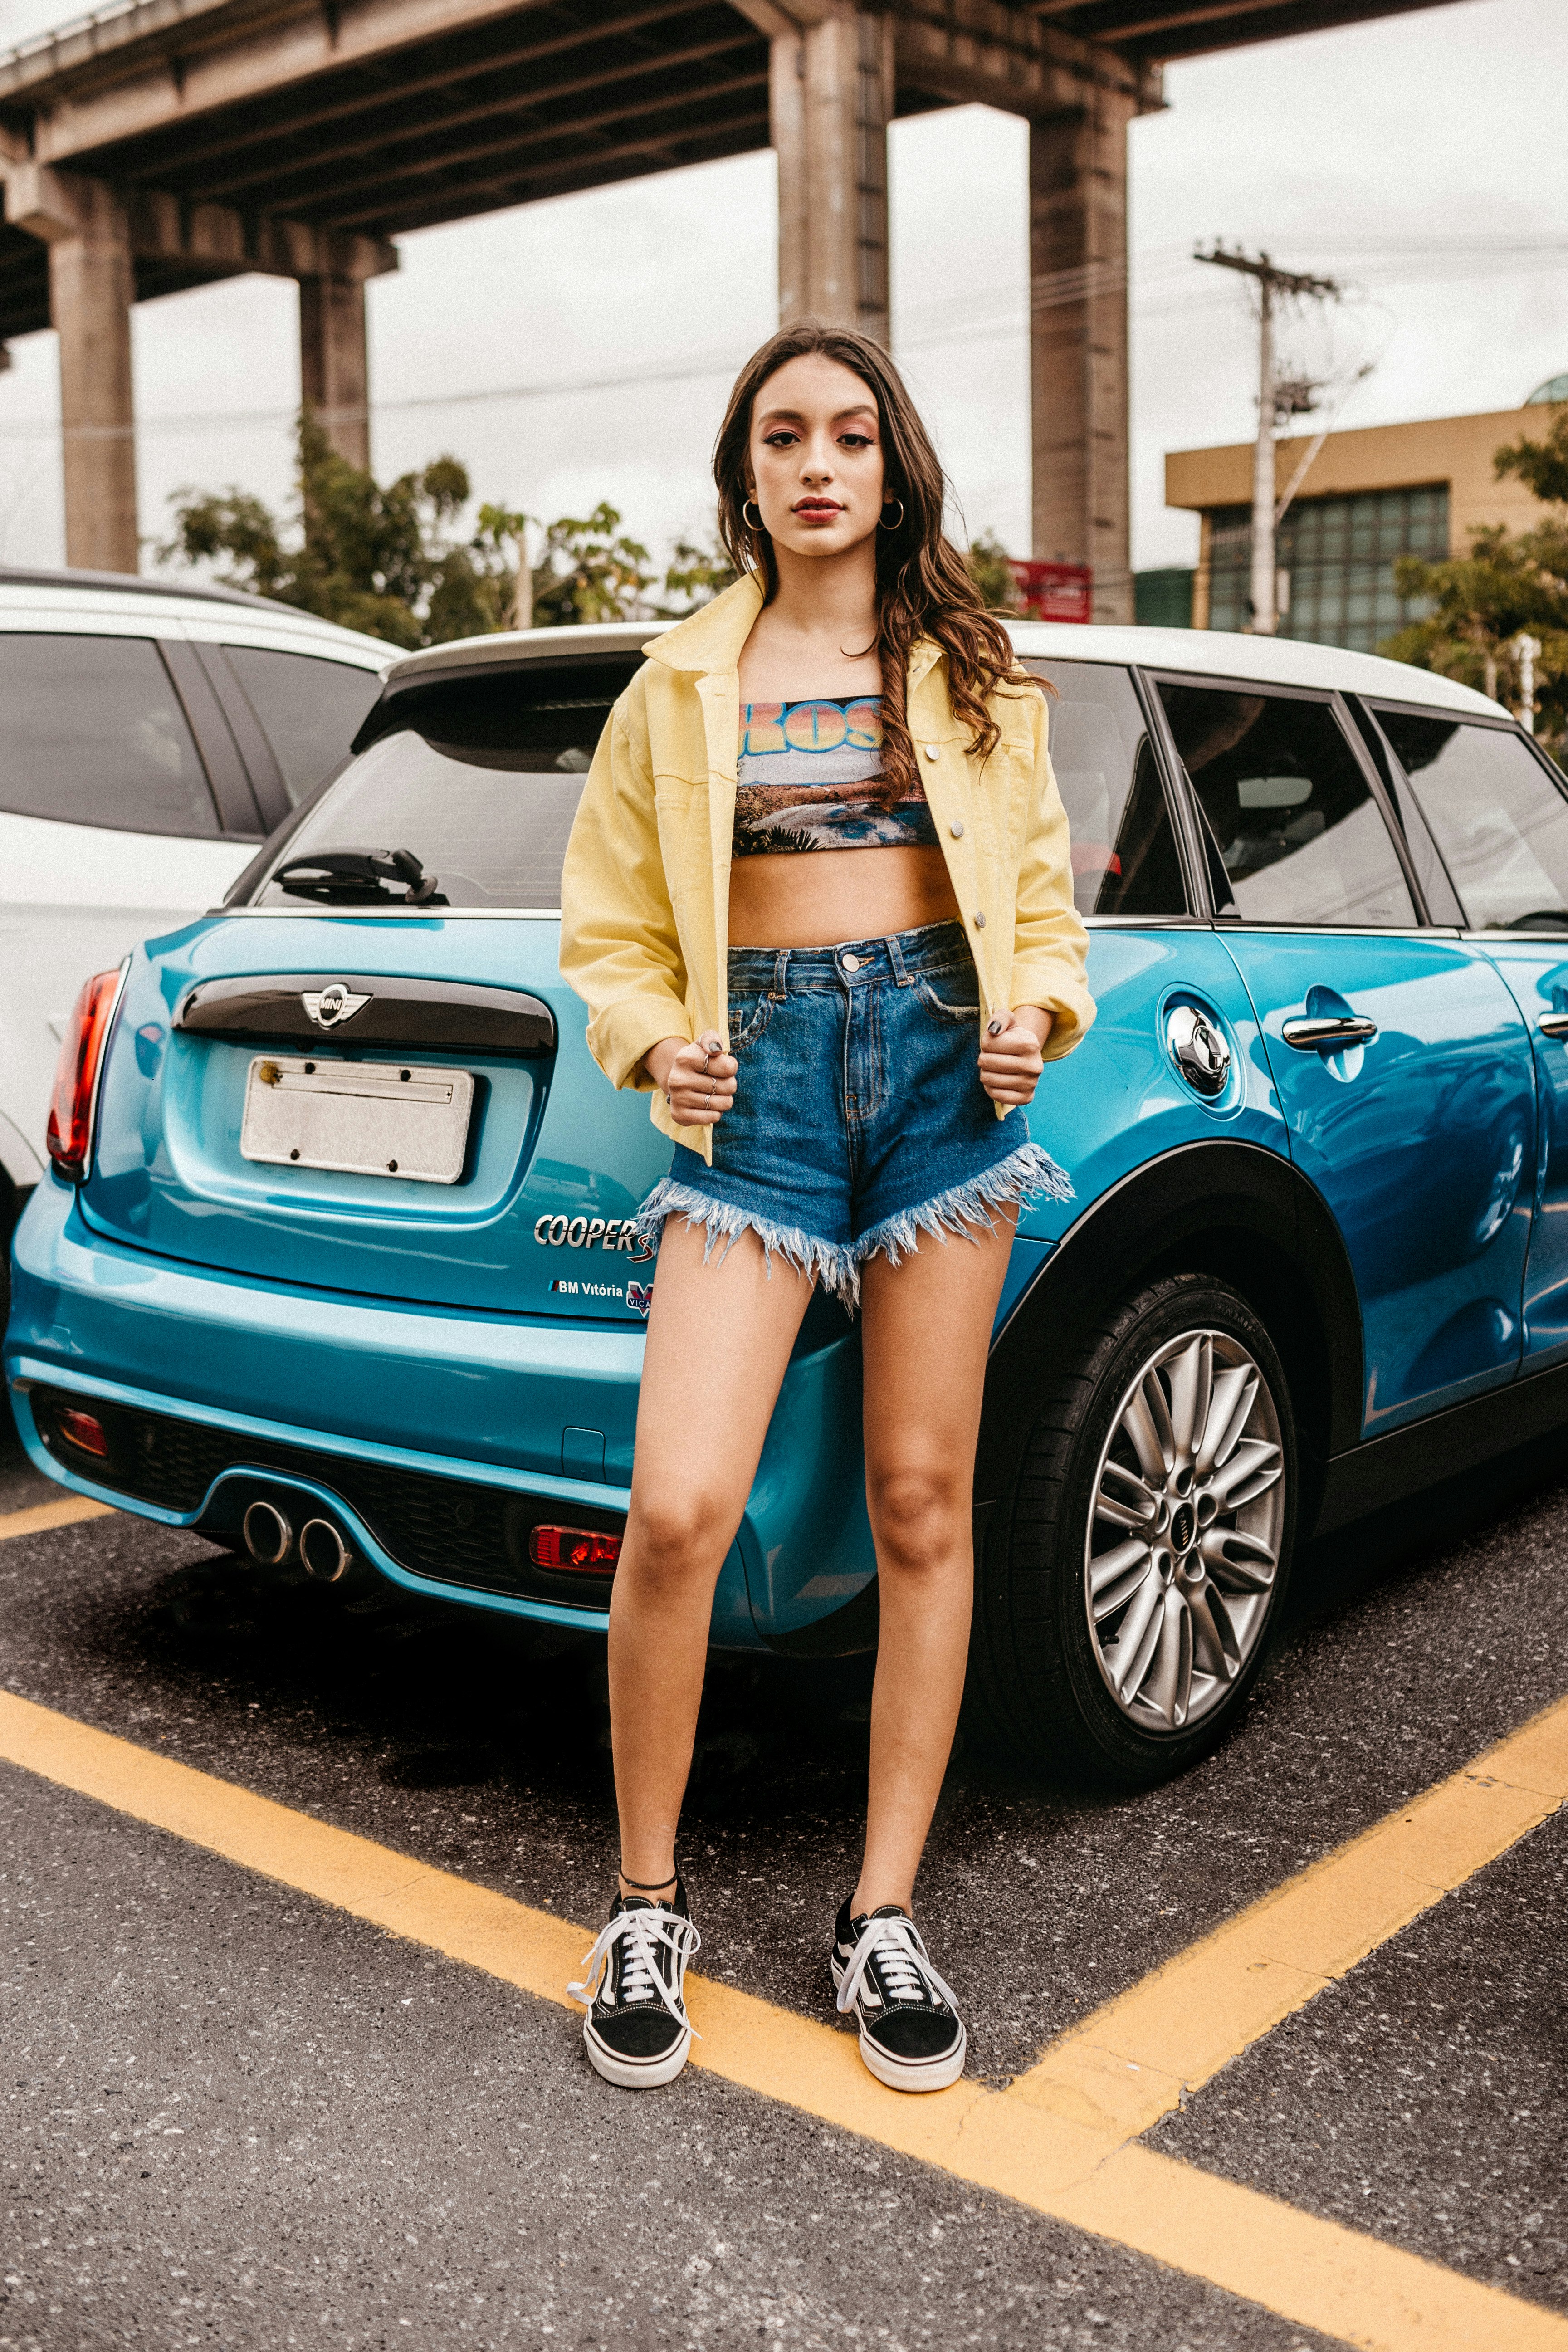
(322, 1550)
(269, 1536)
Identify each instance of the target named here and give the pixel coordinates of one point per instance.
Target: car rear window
(479, 778)
(94, 734)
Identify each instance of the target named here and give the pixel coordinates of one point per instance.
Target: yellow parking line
(41, 1516)
(1128, 2065)
(1058, 2141)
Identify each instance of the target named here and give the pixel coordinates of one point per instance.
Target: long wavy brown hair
(924, 588)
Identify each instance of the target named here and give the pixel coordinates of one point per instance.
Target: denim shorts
(859, 1120)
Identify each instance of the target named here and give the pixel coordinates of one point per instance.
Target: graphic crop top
(805, 778)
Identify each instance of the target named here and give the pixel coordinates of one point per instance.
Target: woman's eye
(856, 440)
(778, 439)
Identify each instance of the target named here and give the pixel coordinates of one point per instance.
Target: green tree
(991, 567)
(588, 570)
(696, 574)
(1510, 584)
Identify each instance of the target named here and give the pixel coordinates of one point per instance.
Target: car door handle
(1553, 1025)
(1329, 1033)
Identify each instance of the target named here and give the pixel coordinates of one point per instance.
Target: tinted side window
(311, 709)
(1500, 820)
(1124, 858)
(92, 731)
(481, 778)
(1295, 827)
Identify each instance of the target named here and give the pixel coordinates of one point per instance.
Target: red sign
(1055, 591)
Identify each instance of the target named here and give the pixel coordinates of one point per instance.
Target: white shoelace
(908, 1973)
(643, 1932)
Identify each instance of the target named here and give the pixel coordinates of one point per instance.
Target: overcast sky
(1422, 160)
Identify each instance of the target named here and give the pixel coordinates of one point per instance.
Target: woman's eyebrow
(798, 417)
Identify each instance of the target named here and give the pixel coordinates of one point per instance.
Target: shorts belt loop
(902, 973)
(780, 988)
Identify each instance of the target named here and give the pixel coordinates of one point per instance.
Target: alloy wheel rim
(1183, 1545)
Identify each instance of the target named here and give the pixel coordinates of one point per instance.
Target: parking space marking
(1130, 2063)
(41, 1516)
(1061, 2140)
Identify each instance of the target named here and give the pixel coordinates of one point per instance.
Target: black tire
(1040, 1680)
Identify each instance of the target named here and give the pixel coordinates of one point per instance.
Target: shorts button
(851, 964)
(958, 832)
(932, 752)
(979, 920)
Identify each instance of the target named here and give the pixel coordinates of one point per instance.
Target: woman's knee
(677, 1533)
(920, 1514)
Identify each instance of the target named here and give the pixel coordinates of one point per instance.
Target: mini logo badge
(329, 1006)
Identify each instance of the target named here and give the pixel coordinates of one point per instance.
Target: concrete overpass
(160, 145)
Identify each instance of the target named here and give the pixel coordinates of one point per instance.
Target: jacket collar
(711, 638)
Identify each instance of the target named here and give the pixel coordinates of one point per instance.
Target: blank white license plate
(364, 1119)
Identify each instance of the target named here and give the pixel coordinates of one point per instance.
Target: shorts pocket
(944, 995)
(749, 1016)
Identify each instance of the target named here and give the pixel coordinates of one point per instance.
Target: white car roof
(29, 597)
(1209, 653)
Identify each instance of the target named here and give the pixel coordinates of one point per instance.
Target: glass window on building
(1337, 557)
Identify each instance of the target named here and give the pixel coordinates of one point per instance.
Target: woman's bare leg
(926, 1332)
(719, 1339)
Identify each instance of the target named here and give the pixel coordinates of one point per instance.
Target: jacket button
(932, 752)
(958, 831)
(979, 920)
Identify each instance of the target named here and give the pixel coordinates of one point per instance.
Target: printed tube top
(807, 778)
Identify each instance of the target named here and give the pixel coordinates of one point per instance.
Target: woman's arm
(619, 948)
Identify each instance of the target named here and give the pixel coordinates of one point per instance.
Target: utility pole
(1271, 285)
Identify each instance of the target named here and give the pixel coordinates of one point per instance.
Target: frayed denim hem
(1026, 1174)
(830, 1262)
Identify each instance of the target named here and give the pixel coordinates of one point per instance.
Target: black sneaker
(637, 2031)
(911, 2035)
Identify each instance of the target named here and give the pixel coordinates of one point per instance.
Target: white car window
(309, 710)
(93, 734)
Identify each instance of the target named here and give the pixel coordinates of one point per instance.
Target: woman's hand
(1010, 1055)
(699, 1078)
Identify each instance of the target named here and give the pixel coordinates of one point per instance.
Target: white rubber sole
(634, 2074)
(908, 2074)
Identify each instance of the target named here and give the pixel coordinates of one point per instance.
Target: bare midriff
(815, 900)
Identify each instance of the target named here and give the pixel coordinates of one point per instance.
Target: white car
(149, 737)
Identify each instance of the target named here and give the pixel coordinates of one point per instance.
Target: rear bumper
(452, 1395)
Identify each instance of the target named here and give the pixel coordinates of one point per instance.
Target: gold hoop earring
(882, 524)
(755, 527)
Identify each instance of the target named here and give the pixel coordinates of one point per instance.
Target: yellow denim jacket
(645, 895)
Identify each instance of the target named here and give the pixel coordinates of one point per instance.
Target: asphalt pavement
(237, 2117)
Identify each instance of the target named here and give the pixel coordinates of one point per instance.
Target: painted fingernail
(995, 1027)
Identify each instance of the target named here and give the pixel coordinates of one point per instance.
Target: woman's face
(815, 457)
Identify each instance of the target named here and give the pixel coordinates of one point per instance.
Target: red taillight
(75, 1076)
(83, 1429)
(573, 1548)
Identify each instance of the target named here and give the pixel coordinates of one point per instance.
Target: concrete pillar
(1078, 268)
(831, 98)
(335, 365)
(92, 284)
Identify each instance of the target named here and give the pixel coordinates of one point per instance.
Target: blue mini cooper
(336, 1259)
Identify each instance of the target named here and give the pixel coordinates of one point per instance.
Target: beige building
(1367, 498)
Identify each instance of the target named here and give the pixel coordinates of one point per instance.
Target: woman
(829, 791)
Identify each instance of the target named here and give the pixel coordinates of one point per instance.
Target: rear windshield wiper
(360, 877)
